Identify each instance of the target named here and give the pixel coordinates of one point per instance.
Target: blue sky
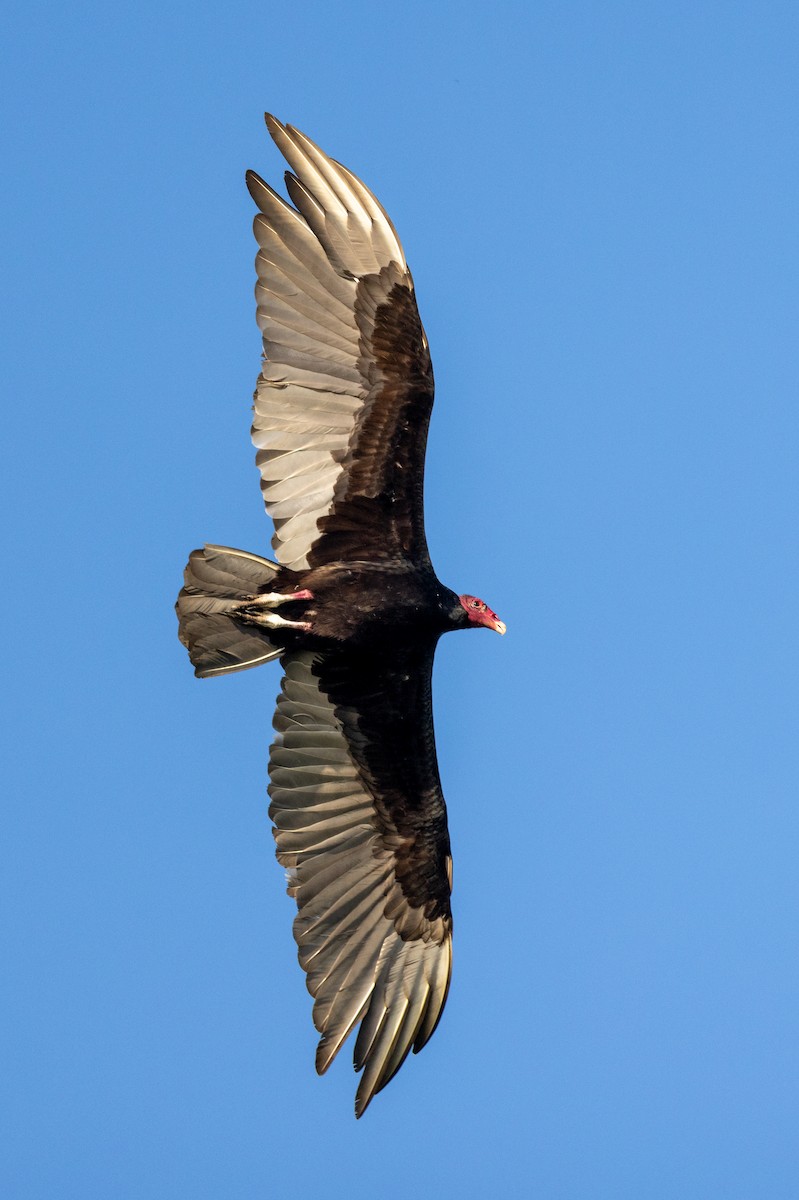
(599, 205)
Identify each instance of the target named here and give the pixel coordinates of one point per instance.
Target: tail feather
(216, 581)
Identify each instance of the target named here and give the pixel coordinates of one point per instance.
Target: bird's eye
(475, 604)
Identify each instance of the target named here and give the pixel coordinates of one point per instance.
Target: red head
(480, 614)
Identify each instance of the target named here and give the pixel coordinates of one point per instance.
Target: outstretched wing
(361, 826)
(343, 403)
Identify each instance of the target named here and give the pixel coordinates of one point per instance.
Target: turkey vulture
(352, 608)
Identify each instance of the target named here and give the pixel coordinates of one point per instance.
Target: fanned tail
(219, 582)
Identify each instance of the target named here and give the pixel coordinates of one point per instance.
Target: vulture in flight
(352, 607)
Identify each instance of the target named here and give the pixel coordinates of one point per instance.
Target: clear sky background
(599, 205)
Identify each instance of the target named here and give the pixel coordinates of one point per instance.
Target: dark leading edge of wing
(360, 823)
(343, 403)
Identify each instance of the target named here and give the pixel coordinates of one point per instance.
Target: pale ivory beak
(501, 627)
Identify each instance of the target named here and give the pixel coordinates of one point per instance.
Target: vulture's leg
(259, 610)
(272, 620)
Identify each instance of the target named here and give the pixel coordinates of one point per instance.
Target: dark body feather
(369, 605)
(352, 607)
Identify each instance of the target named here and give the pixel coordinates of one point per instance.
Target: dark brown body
(367, 605)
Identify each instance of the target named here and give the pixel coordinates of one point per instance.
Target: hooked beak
(500, 626)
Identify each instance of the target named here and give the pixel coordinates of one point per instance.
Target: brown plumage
(352, 607)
